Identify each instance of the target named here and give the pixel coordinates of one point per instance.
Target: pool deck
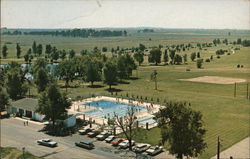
(77, 107)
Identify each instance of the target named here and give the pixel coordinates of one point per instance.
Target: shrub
(238, 66)
(207, 60)
(199, 63)
(218, 57)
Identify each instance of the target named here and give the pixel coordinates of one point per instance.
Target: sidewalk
(30, 121)
(240, 150)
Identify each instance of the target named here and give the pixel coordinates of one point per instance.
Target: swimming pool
(107, 108)
(147, 120)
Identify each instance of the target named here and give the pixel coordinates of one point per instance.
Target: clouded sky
(218, 14)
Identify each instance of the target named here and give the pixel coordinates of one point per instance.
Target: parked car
(153, 150)
(139, 148)
(93, 133)
(110, 138)
(85, 144)
(102, 136)
(125, 144)
(47, 142)
(85, 131)
(116, 141)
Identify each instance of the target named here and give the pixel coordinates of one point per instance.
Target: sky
(212, 14)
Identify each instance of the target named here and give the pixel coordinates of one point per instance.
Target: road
(15, 134)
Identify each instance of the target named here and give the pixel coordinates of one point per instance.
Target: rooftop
(26, 103)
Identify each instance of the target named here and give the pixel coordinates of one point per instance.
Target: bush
(199, 63)
(188, 69)
(241, 66)
(207, 60)
(228, 54)
(238, 66)
(218, 57)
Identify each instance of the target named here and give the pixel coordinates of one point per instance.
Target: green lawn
(13, 153)
(223, 115)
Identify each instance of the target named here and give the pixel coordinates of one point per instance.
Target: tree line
(83, 33)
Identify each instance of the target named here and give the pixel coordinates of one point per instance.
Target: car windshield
(47, 140)
(141, 146)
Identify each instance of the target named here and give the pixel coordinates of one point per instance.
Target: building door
(28, 114)
(21, 112)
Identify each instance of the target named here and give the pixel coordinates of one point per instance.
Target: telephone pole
(235, 89)
(247, 91)
(218, 148)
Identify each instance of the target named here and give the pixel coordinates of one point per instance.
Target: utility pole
(247, 91)
(23, 152)
(235, 89)
(218, 148)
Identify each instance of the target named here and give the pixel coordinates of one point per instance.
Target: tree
(18, 50)
(125, 66)
(198, 55)
(39, 49)
(4, 99)
(172, 55)
(41, 79)
(53, 104)
(66, 70)
(40, 63)
(26, 58)
(62, 54)
(238, 41)
(185, 58)
(84, 52)
(48, 50)
(193, 56)
(142, 47)
(199, 63)
(4, 51)
(155, 56)
(154, 78)
(55, 55)
(34, 48)
(110, 73)
(127, 124)
(181, 127)
(165, 56)
(139, 57)
(92, 72)
(104, 49)
(72, 54)
(177, 59)
(15, 84)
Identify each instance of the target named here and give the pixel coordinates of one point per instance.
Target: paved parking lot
(15, 134)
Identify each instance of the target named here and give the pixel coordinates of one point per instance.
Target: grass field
(224, 115)
(13, 153)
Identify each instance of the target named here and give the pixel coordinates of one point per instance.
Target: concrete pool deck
(80, 108)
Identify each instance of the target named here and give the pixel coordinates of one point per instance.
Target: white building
(25, 107)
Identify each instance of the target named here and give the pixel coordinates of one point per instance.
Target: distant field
(224, 115)
(163, 37)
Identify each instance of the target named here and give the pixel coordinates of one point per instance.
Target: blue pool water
(147, 120)
(107, 108)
